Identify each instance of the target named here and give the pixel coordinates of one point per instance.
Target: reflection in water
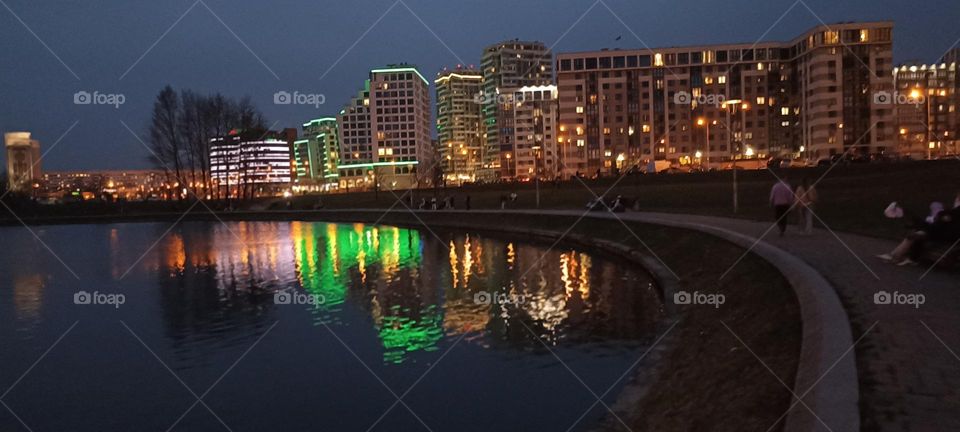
(27, 296)
(415, 290)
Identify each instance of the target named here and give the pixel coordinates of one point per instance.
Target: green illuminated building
(316, 155)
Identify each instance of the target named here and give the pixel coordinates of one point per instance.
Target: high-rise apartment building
(812, 97)
(316, 156)
(460, 128)
(23, 161)
(506, 67)
(385, 132)
(532, 114)
(926, 102)
(250, 163)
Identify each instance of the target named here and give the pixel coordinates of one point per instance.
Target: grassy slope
(852, 198)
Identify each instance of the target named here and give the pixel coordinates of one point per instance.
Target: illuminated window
(864, 35)
(658, 59)
(761, 100)
(708, 80)
(579, 110)
(722, 79)
(785, 111)
(832, 37)
(708, 57)
(646, 128)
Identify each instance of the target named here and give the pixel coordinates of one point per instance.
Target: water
(297, 326)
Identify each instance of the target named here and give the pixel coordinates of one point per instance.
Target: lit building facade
(506, 67)
(316, 156)
(926, 103)
(385, 138)
(532, 152)
(250, 163)
(23, 161)
(460, 128)
(812, 98)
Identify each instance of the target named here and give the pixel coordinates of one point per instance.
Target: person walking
(781, 199)
(807, 197)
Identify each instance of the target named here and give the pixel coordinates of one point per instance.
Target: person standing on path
(781, 198)
(807, 197)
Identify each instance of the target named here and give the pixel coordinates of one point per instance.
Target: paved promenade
(906, 356)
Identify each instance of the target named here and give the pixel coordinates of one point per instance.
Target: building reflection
(415, 289)
(28, 296)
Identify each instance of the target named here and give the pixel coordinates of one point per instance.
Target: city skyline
(96, 139)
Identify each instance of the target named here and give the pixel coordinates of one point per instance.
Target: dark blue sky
(299, 40)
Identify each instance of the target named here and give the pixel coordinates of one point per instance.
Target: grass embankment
(852, 197)
(708, 379)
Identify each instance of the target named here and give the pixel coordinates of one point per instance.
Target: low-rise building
(112, 185)
(250, 163)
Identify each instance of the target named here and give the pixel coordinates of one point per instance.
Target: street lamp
(744, 106)
(508, 165)
(703, 122)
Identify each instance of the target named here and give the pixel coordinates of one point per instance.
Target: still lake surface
(310, 326)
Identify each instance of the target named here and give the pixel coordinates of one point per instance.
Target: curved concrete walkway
(906, 355)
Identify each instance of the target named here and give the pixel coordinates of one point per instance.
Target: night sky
(289, 45)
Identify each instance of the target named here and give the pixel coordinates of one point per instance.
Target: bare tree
(183, 127)
(165, 139)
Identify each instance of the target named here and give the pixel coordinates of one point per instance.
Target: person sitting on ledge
(941, 226)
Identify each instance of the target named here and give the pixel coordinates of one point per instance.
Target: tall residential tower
(507, 66)
(460, 123)
(385, 137)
